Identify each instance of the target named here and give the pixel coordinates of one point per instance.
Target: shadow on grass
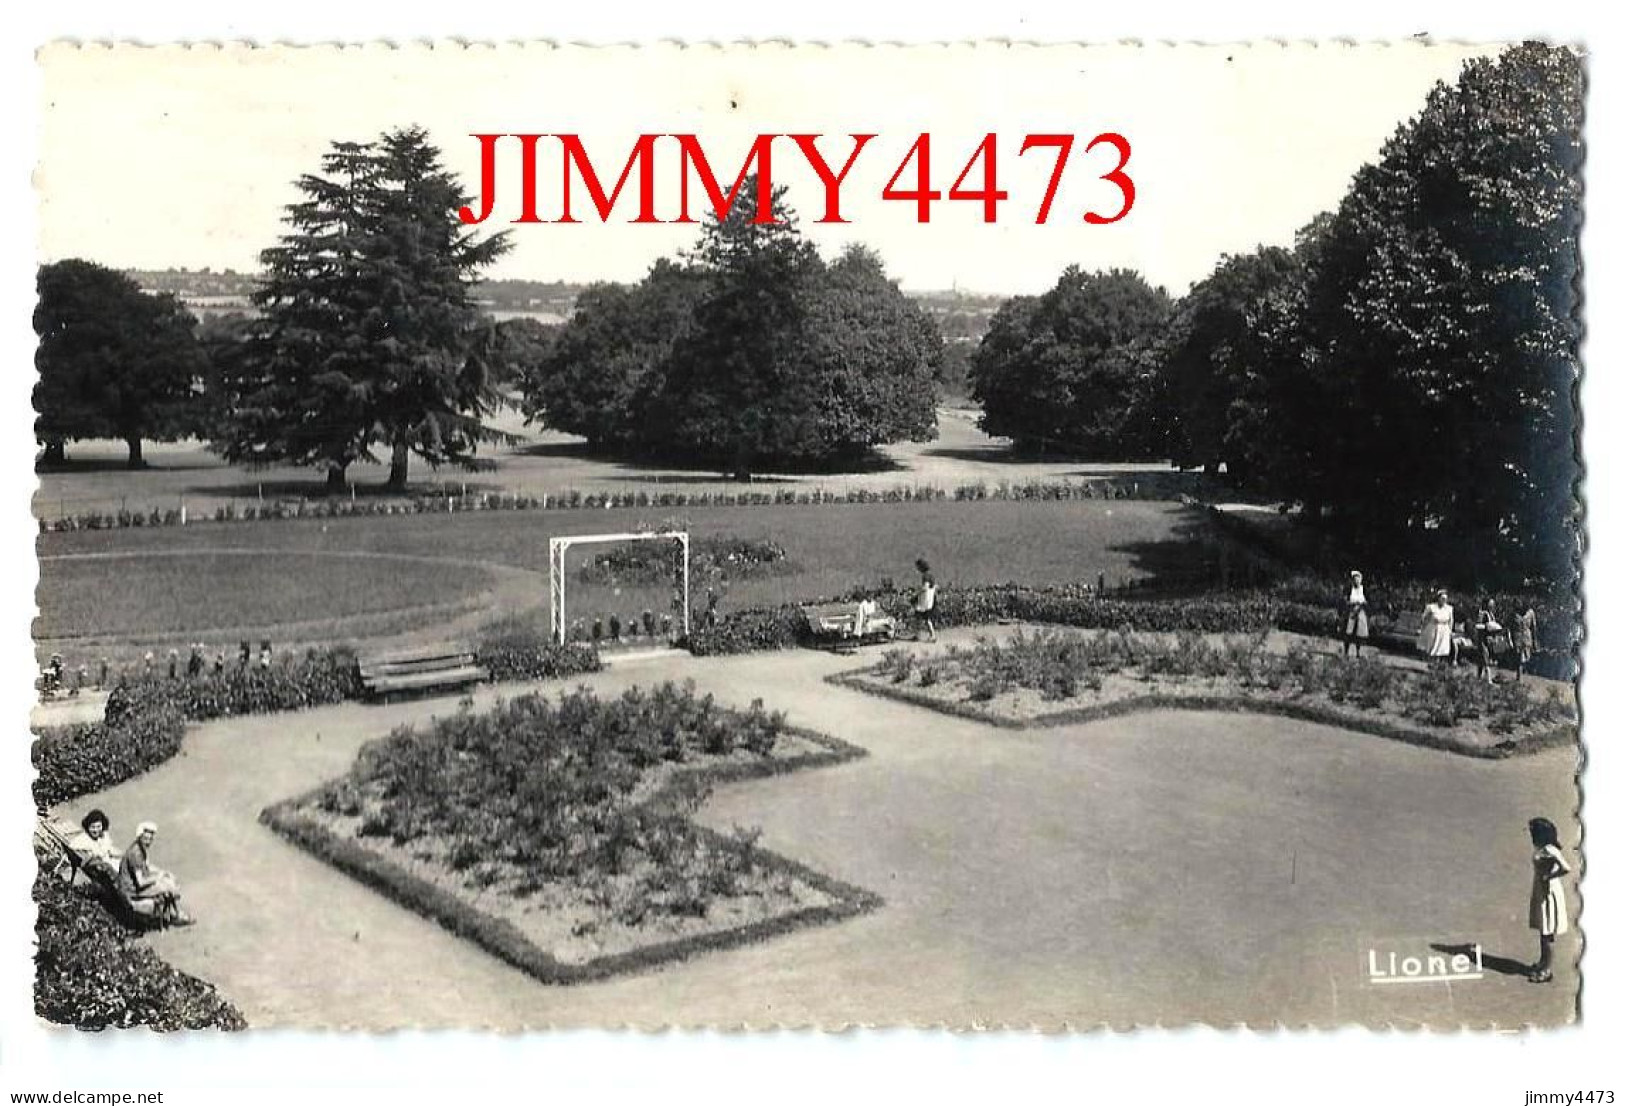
(656, 468)
(316, 488)
(90, 466)
(1191, 552)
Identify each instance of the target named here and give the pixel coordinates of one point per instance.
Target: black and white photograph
(985, 536)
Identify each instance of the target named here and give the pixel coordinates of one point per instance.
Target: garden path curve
(1169, 867)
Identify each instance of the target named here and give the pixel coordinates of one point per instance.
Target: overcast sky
(185, 156)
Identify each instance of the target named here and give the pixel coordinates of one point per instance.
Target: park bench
(1402, 634)
(426, 668)
(837, 626)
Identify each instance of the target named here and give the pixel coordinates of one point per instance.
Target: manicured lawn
(830, 549)
(150, 594)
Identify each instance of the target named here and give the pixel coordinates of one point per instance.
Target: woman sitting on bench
(152, 892)
(98, 856)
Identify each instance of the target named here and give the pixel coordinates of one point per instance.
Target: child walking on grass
(1548, 907)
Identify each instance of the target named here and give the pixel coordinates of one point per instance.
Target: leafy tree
(1438, 330)
(753, 350)
(521, 343)
(369, 335)
(607, 364)
(1214, 364)
(732, 386)
(1072, 369)
(223, 338)
(868, 369)
(113, 361)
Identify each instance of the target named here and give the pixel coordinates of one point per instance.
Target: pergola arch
(558, 548)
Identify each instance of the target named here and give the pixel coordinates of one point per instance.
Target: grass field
(542, 462)
(831, 549)
(143, 595)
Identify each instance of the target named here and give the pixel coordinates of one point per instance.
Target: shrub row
(1071, 605)
(514, 649)
(431, 503)
(146, 715)
(91, 973)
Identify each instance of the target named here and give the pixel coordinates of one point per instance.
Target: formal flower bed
(720, 556)
(558, 833)
(1049, 677)
(94, 974)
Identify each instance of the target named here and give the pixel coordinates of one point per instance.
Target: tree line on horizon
(1403, 372)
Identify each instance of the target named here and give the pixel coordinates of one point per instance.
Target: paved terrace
(1165, 867)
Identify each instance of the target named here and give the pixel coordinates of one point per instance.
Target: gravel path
(1165, 867)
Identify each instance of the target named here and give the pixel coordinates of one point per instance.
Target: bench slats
(416, 653)
(412, 681)
(444, 662)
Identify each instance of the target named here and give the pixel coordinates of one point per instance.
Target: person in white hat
(152, 891)
(1356, 627)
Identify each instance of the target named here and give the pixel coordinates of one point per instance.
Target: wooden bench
(835, 625)
(1402, 634)
(426, 668)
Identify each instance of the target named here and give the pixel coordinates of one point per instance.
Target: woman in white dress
(1356, 627)
(1438, 619)
(1548, 907)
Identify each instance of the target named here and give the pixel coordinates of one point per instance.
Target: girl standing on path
(1356, 627)
(1548, 907)
(925, 600)
(1489, 637)
(1438, 620)
(1523, 639)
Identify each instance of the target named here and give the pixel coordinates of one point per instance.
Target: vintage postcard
(979, 535)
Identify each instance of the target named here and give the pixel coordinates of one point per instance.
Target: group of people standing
(1485, 638)
(1442, 640)
(195, 664)
(151, 891)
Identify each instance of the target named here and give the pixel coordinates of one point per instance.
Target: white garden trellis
(557, 574)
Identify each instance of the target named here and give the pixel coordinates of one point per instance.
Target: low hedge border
(864, 680)
(1074, 605)
(146, 718)
(1160, 487)
(507, 943)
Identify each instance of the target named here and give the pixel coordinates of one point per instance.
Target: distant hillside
(962, 316)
